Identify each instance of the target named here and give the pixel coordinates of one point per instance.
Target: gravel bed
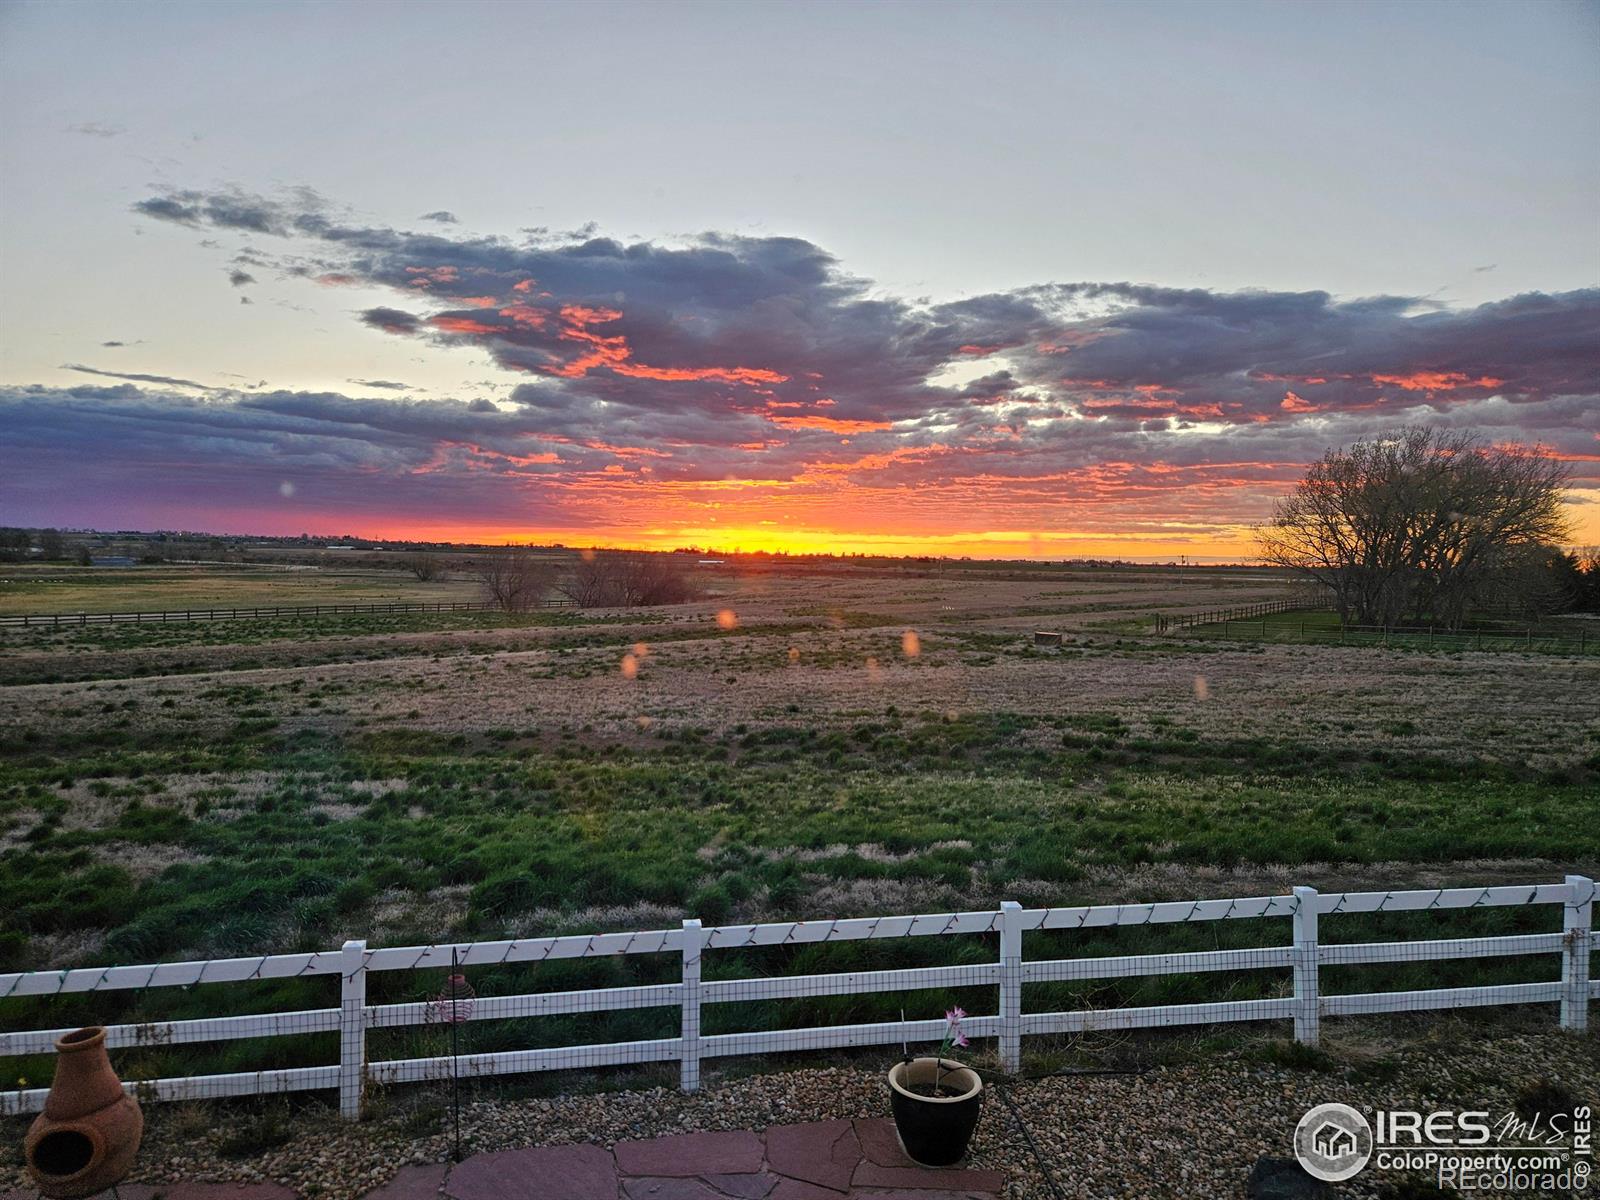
(1188, 1128)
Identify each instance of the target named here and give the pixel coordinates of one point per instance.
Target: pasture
(803, 742)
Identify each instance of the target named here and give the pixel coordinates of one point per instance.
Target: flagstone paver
(413, 1183)
(735, 1153)
(670, 1188)
(819, 1160)
(743, 1187)
(542, 1173)
(820, 1152)
(799, 1189)
(880, 1143)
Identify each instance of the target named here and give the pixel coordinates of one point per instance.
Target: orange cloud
(1437, 381)
(522, 314)
(452, 324)
(831, 424)
(614, 354)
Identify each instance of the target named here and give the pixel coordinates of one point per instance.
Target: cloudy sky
(977, 279)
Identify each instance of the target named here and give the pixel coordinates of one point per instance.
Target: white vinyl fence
(1305, 1004)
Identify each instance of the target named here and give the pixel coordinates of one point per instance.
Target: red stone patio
(822, 1160)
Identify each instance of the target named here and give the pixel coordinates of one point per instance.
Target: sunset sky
(996, 280)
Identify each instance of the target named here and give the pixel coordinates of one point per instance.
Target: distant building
(113, 560)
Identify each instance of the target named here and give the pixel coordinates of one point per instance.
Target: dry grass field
(836, 742)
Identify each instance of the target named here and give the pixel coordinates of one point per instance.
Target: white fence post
(1010, 986)
(1576, 925)
(352, 1029)
(694, 940)
(1303, 959)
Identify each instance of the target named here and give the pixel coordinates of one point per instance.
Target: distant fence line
(179, 615)
(1255, 625)
(1303, 1002)
(1244, 612)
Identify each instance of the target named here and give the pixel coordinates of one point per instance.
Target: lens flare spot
(586, 555)
(630, 667)
(874, 671)
(727, 619)
(794, 655)
(1202, 689)
(910, 643)
(641, 650)
(644, 723)
(286, 489)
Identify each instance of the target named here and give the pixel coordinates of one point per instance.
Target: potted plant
(936, 1100)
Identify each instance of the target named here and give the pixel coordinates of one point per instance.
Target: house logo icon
(1333, 1142)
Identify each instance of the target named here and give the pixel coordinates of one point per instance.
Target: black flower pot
(935, 1130)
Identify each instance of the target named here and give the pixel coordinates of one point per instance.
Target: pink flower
(961, 1040)
(955, 1016)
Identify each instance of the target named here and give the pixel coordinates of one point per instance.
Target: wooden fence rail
(1010, 972)
(1243, 612)
(1255, 626)
(261, 613)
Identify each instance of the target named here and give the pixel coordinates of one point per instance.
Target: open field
(848, 743)
(35, 588)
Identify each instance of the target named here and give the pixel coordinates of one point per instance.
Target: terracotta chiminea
(85, 1139)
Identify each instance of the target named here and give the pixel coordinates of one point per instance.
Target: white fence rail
(354, 1018)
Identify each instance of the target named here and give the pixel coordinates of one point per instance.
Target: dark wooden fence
(1245, 612)
(1250, 623)
(268, 613)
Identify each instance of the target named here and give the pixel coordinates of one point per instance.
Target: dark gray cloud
(385, 384)
(772, 334)
(391, 320)
(164, 380)
(99, 129)
(442, 216)
(240, 278)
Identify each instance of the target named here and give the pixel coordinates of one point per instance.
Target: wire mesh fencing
(479, 1010)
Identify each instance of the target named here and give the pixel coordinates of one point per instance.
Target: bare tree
(425, 567)
(656, 579)
(612, 579)
(514, 580)
(595, 581)
(1415, 523)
